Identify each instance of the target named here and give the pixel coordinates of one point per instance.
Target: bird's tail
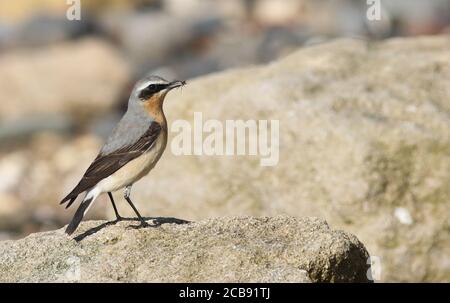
(79, 214)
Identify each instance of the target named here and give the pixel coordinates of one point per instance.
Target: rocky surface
(230, 249)
(364, 143)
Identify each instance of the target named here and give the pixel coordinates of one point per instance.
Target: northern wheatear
(130, 152)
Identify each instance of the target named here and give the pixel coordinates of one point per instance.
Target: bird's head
(151, 90)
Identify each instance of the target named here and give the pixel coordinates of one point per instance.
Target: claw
(118, 219)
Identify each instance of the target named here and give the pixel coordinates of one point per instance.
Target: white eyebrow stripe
(144, 85)
(147, 83)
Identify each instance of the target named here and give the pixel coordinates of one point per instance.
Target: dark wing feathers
(105, 165)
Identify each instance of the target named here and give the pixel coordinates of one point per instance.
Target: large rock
(364, 143)
(84, 77)
(242, 249)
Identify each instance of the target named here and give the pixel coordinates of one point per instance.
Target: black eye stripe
(155, 87)
(150, 90)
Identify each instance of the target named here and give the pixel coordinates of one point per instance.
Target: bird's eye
(150, 90)
(153, 88)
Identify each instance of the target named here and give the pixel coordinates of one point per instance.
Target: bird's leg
(126, 195)
(118, 217)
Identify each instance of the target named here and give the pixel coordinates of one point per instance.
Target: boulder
(84, 77)
(364, 144)
(229, 249)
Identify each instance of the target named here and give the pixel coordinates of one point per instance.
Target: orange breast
(153, 106)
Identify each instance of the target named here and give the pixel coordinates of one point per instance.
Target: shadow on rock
(157, 221)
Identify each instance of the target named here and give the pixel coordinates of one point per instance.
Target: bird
(129, 153)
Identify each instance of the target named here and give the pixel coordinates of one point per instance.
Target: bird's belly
(133, 170)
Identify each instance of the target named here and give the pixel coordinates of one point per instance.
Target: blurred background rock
(64, 84)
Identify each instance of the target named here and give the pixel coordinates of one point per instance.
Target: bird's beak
(175, 84)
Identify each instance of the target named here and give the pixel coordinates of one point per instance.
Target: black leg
(118, 217)
(127, 197)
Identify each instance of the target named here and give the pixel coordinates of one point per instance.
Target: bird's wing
(106, 164)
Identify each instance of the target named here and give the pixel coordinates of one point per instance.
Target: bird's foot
(119, 219)
(143, 224)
